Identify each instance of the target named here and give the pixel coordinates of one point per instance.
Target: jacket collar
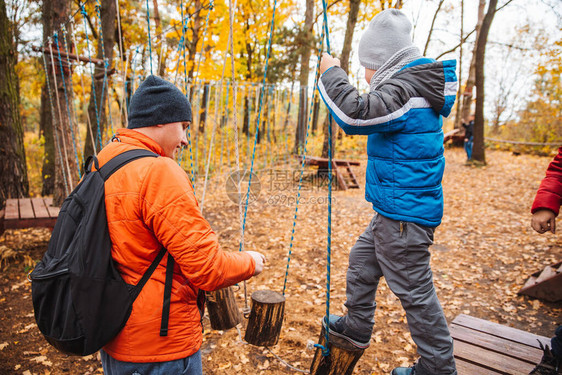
(133, 137)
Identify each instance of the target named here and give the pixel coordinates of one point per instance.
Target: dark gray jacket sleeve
(366, 113)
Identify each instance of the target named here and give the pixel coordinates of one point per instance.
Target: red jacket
(549, 194)
(150, 203)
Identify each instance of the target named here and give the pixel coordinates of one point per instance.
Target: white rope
(211, 142)
(123, 111)
(61, 124)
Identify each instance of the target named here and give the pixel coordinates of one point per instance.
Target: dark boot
(549, 364)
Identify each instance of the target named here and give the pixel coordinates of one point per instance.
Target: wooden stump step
(340, 361)
(222, 309)
(266, 318)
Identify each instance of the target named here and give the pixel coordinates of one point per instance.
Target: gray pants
(399, 252)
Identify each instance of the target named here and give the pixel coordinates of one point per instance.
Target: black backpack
(81, 301)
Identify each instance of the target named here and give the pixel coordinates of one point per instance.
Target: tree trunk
(305, 52)
(159, 50)
(13, 172)
(458, 120)
(46, 129)
(99, 101)
(346, 52)
(478, 152)
(468, 95)
(57, 130)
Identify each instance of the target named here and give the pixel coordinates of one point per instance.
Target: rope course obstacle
(215, 114)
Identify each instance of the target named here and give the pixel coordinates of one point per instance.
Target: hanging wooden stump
(342, 358)
(223, 310)
(266, 318)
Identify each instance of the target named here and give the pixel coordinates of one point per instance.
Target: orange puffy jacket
(150, 203)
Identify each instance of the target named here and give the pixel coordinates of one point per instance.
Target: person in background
(468, 137)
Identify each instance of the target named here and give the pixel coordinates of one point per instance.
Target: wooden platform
(345, 177)
(29, 212)
(486, 348)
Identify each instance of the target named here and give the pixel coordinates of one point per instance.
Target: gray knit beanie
(157, 102)
(387, 33)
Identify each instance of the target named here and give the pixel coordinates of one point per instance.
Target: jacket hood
(436, 81)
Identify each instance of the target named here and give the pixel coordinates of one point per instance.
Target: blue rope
(182, 43)
(53, 115)
(67, 50)
(56, 37)
(133, 68)
(149, 42)
(106, 65)
(325, 349)
(84, 14)
(258, 122)
(316, 75)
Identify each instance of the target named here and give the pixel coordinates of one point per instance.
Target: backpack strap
(148, 273)
(123, 158)
(106, 171)
(167, 296)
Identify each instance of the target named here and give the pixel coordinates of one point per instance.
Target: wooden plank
(39, 208)
(468, 368)
(496, 361)
(53, 210)
(496, 344)
(339, 178)
(30, 223)
(26, 209)
(12, 210)
(495, 329)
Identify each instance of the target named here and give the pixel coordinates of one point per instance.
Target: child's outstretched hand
(544, 221)
(327, 62)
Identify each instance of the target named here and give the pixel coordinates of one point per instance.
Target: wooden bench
(28, 212)
(485, 348)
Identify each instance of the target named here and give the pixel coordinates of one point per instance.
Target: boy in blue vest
(402, 116)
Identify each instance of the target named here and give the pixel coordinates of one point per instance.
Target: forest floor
(483, 252)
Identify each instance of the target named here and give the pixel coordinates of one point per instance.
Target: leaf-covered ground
(483, 253)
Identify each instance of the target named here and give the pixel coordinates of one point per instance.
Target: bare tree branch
(432, 25)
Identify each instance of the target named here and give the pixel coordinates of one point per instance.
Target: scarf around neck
(396, 62)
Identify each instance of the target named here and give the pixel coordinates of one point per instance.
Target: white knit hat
(387, 33)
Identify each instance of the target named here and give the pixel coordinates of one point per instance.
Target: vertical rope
(67, 49)
(84, 14)
(149, 41)
(316, 75)
(84, 96)
(105, 84)
(53, 119)
(123, 70)
(182, 46)
(259, 115)
(60, 120)
(56, 37)
(325, 349)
